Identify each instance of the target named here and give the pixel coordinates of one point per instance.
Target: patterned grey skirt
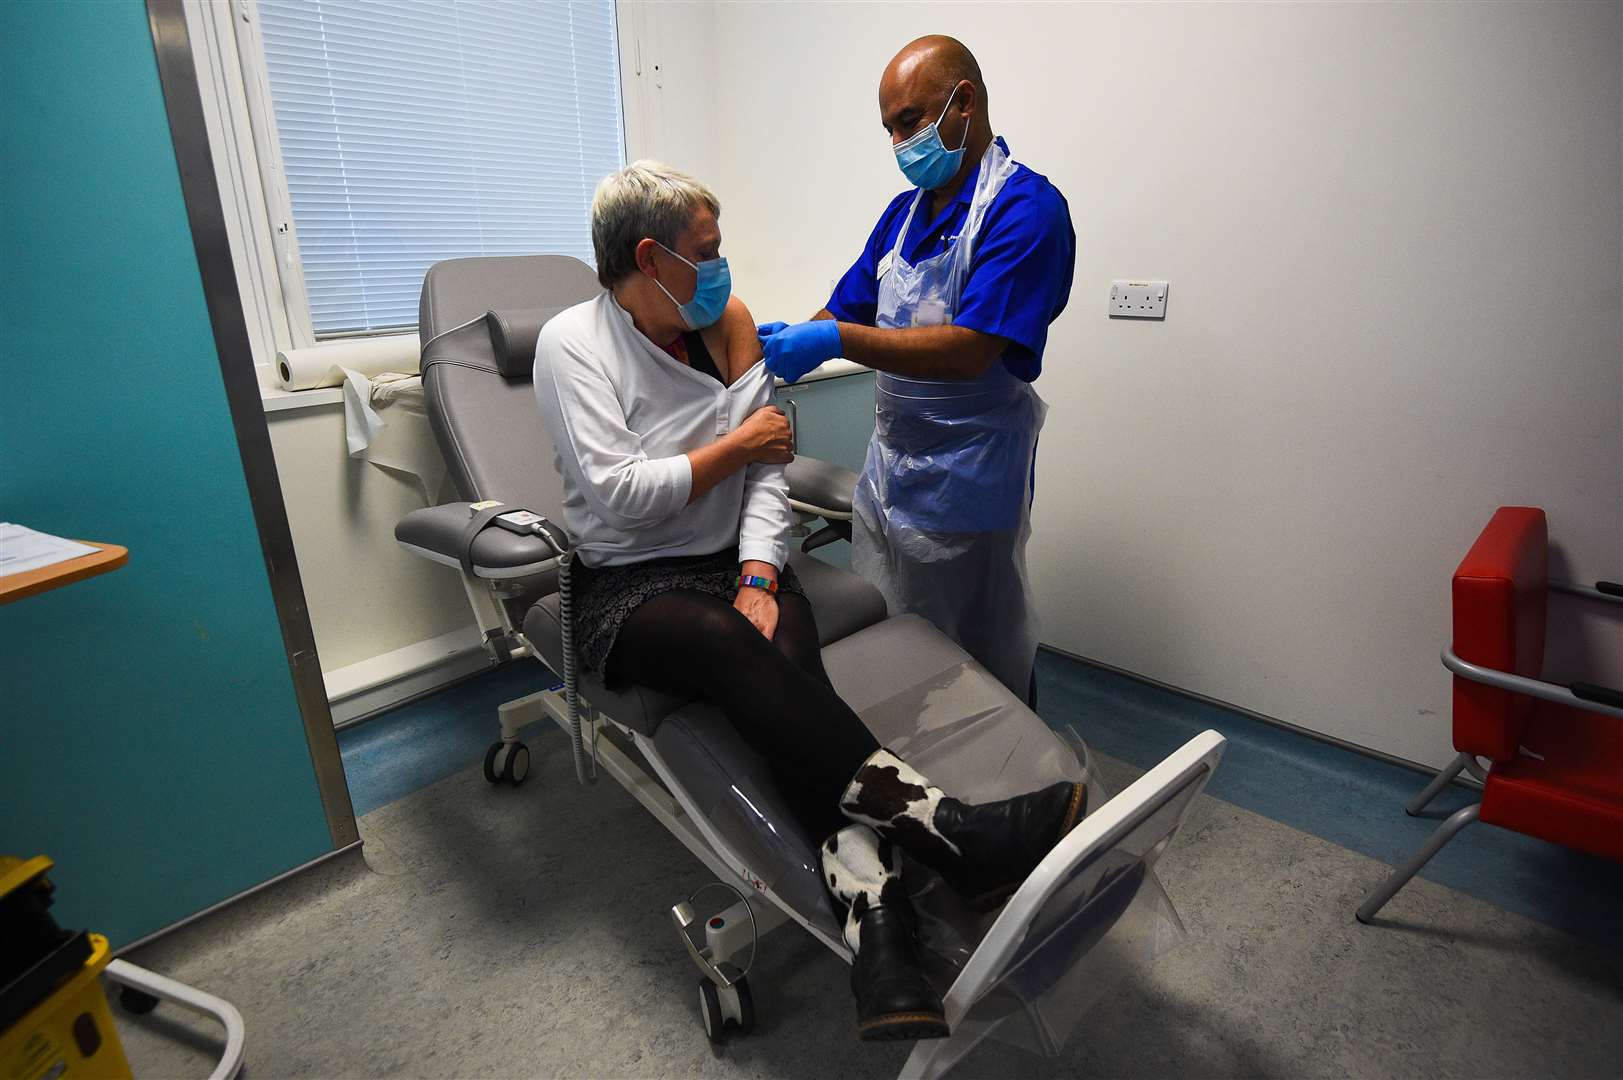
(604, 597)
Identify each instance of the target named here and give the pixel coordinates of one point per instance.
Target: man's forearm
(922, 352)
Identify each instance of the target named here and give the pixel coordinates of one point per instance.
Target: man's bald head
(937, 61)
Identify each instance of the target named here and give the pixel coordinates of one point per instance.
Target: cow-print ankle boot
(984, 852)
(894, 1000)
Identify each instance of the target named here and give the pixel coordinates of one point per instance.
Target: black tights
(776, 692)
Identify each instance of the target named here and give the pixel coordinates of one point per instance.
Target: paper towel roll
(323, 365)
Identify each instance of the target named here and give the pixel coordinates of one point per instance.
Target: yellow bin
(69, 1033)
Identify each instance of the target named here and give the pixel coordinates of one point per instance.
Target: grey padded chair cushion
(485, 421)
(925, 698)
(842, 602)
(440, 528)
(513, 334)
(458, 290)
(821, 483)
(712, 762)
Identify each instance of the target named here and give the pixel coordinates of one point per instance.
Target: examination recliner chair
(1022, 974)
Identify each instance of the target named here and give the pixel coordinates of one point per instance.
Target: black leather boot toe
(894, 999)
(1002, 842)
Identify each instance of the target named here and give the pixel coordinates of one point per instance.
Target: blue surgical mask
(925, 160)
(709, 296)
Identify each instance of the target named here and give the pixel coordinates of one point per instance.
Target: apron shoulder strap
(996, 168)
(907, 223)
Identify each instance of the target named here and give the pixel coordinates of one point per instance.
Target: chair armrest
(1547, 691)
(439, 533)
(1610, 591)
(820, 487)
(1599, 695)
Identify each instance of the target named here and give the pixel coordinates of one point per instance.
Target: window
(412, 131)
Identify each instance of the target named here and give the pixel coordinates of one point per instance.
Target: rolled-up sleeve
(763, 524)
(765, 517)
(625, 487)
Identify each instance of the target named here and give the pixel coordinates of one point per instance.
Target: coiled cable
(585, 772)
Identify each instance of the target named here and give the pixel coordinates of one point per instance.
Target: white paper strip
(22, 549)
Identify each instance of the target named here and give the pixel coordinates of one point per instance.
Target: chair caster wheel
(744, 1006)
(517, 765)
(136, 1001)
(715, 1025)
(725, 1011)
(507, 764)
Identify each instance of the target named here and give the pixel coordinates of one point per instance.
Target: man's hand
(759, 607)
(767, 437)
(792, 351)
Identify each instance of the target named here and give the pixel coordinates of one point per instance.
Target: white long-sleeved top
(623, 415)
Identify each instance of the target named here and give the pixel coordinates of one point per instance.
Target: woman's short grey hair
(644, 199)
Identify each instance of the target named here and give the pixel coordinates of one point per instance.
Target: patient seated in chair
(674, 495)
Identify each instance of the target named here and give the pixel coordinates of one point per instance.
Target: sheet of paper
(23, 549)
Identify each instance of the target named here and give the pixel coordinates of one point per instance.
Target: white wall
(668, 88)
(367, 595)
(1395, 240)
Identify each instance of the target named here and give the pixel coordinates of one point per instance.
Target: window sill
(275, 399)
(370, 353)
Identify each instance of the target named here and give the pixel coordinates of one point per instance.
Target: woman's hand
(760, 608)
(757, 605)
(766, 436)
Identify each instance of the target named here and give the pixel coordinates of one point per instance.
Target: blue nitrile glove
(794, 350)
(767, 329)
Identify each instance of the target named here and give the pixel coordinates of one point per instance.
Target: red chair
(1555, 752)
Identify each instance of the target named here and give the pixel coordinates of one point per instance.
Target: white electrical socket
(1138, 300)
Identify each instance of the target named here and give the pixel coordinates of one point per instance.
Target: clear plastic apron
(943, 509)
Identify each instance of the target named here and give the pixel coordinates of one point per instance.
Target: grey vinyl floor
(496, 932)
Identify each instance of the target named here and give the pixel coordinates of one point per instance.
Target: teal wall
(150, 741)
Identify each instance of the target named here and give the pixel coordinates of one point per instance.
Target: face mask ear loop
(692, 266)
(961, 142)
(661, 285)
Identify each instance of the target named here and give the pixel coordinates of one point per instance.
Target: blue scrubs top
(1019, 278)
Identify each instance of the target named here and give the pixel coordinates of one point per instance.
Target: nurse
(950, 302)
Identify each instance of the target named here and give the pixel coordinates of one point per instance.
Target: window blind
(418, 130)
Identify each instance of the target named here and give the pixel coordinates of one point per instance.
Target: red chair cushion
(1499, 591)
(1575, 795)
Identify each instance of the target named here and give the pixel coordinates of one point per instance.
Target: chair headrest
(513, 333)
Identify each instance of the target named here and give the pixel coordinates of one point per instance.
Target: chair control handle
(1600, 695)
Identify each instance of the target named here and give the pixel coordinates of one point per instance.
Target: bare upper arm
(738, 333)
(732, 341)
